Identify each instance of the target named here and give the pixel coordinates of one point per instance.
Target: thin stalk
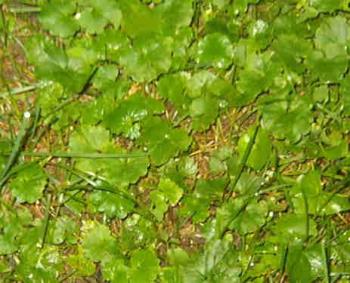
(47, 220)
(325, 252)
(13, 156)
(22, 90)
(283, 262)
(307, 218)
(243, 161)
(81, 155)
(24, 9)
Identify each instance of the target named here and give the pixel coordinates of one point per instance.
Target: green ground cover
(174, 141)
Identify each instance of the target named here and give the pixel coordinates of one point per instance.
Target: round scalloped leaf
(175, 14)
(112, 204)
(97, 15)
(286, 118)
(29, 183)
(139, 19)
(325, 6)
(149, 57)
(329, 70)
(167, 193)
(57, 17)
(172, 87)
(203, 111)
(97, 242)
(122, 120)
(144, 266)
(214, 50)
(163, 141)
(332, 37)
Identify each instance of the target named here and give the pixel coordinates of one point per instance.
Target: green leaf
(175, 14)
(293, 228)
(320, 94)
(115, 271)
(54, 64)
(139, 19)
(149, 57)
(207, 192)
(168, 193)
(203, 111)
(327, 69)
(162, 140)
(298, 266)
(97, 242)
(286, 117)
(119, 171)
(82, 266)
(329, 6)
(39, 265)
(291, 49)
(318, 201)
(172, 87)
(197, 83)
(94, 17)
(214, 50)
(242, 5)
(144, 266)
(63, 229)
(332, 37)
(241, 216)
(123, 119)
(216, 263)
(29, 183)
(112, 204)
(261, 151)
(57, 17)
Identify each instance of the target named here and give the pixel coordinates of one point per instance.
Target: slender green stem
(47, 220)
(22, 90)
(82, 155)
(24, 9)
(326, 262)
(307, 217)
(243, 162)
(283, 262)
(20, 140)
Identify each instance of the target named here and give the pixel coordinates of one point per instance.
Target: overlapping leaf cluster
(266, 82)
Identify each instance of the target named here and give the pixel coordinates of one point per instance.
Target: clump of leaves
(178, 141)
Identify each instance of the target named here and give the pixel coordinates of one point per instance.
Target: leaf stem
(243, 162)
(82, 155)
(47, 220)
(21, 90)
(19, 142)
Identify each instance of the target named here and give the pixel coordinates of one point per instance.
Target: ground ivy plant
(174, 141)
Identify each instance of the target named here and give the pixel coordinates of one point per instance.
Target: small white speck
(271, 214)
(27, 115)
(77, 16)
(259, 27)
(275, 248)
(252, 264)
